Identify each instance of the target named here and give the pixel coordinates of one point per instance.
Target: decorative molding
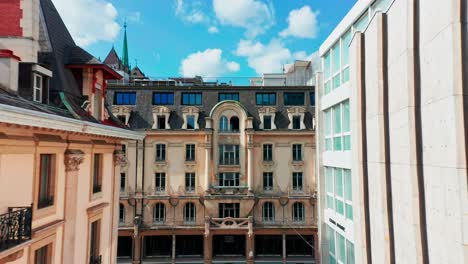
(120, 158)
(161, 111)
(190, 110)
(124, 110)
(73, 159)
(267, 111)
(296, 111)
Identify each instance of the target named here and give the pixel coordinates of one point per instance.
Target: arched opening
(234, 123)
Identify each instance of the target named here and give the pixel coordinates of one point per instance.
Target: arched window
(189, 213)
(223, 124)
(234, 123)
(121, 213)
(298, 212)
(159, 213)
(268, 212)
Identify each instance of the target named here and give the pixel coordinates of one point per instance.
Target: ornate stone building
(60, 147)
(224, 174)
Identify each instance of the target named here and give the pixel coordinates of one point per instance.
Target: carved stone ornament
(73, 159)
(119, 158)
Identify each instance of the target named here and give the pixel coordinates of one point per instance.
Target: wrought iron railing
(95, 259)
(15, 227)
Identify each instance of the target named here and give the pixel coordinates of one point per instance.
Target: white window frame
(159, 178)
(37, 89)
(300, 213)
(268, 212)
(234, 154)
(265, 187)
(159, 213)
(296, 180)
(190, 213)
(229, 177)
(190, 187)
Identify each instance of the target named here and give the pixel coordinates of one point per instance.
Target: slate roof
(112, 58)
(142, 117)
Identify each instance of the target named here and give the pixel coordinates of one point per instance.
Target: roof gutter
(26, 117)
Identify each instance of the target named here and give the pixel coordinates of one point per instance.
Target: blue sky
(213, 38)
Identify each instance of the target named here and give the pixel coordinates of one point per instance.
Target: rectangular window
(327, 72)
(97, 173)
(95, 237)
(37, 88)
(327, 116)
(190, 182)
(229, 154)
(346, 127)
(339, 206)
(190, 152)
(337, 127)
(46, 180)
(312, 98)
(229, 210)
(43, 255)
(190, 122)
(160, 181)
(297, 152)
(123, 179)
(268, 181)
(296, 122)
(164, 98)
(348, 191)
(341, 248)
(267, 152)
(267, 122)
(349, 252)
(191, 98)
(297, 181)
(337, 139)
(229, 179)
(160, 152)
(346, 40)
(338, 186)
(228, 96)
(161, 122)
(336, 65)
(293, 98)
(329, 187)
(125, 98)
(266, 98)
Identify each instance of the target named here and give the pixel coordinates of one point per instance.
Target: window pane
(348, 185)
(266, 98)
(327, 65)
(294, 98)
(346, 117)
(337, 119)
(125, 98)
(341, 248)
(349, 211)
(339, 182)
(345, 48)
(331, 240)
(361, 24)
(349, 252)
(336, 66)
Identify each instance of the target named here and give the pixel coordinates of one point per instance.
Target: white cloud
(191, 12)
(207, 63)
(268, 58)
(134, 17)
(302, 23)
(213, 30)
(255, 16)
(89, 21)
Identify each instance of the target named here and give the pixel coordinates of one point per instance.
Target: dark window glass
(296, 122)
(123, 180)
(190, 152)
(95, 239)
(160, 152)
(267, 122)
(190, 182)
(266, 98)
(160, 181)
(121, 213)
(190, 122)
(294, 98)
(268, 212)
(125, 98)
(46, 180)
(161, 122)
(191, 98)
(312, 98)
(189, 213)
(229, 179)
(234, 124)
(298, 212)
(297, 152)
(228, 96)
(97, 173)
(267, 152)
(163, 98)
(42, 255)
(229, 154)
(297, 181)
(159, 213)
(268, 181)
(229, 210)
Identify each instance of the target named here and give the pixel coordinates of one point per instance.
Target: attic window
(37, 97)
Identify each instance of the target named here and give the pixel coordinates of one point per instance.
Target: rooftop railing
(15, 227)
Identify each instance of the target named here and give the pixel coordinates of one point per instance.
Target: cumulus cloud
(207, 63)
(191, 12)
(255, 16)
(89, 21)
(213, 30)
(302, 23)
(268, 58)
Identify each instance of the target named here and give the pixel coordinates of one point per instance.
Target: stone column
(137, 249)
(250, 248)
(207, 162)
(208, 248)
(316, 249)
(73, 159)
(250, 147)
(173, 248)
(120, 161)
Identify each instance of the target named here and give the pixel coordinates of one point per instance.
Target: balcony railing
(95, 259)
(15, 227)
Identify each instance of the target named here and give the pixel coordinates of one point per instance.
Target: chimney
(9, 67)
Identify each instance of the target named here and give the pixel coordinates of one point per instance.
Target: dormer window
(37, 97)
(296, 122)
(161, 117)
(267, 117)
(190, 114)
(121, 118)
(234, 124)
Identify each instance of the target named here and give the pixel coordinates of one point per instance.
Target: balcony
(15, 227)
(229, 190)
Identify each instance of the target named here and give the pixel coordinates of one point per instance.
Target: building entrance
(229, 245)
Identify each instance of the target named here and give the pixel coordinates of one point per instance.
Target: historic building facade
(392, 116)
(60, 147)
(224, 174)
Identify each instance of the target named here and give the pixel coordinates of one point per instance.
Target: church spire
(125, 48)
